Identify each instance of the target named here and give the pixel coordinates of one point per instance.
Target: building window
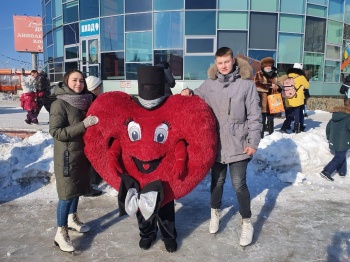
(319, 2)
(334, 32)
(70, 66)
(315, 31)
(167, 5)
(260, 54)
(112, 66)
(112, 33)
(88, 9)
(290, 48)
(200, 23)
(168, 30)
(316, 10)
(138, 47)
(266, 5)
(174, 58)
(112, 7)
(71, 34)
(196, 67)
(233, 20)
(347, 12)
(314, 63)
(260, 38)
(135, 6)
(70, 12)
(200, 45)
(291, 23)
(336, 10)
(293, 7)
(332, 71)
(138, 22)
(203, 4)
(71, 52)
(48, 25)
(233, 4)
(58, 39)
(57, 8)
(236, 40)
(333, 52)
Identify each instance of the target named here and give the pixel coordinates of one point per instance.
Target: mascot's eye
(134, 131)
(161, 133)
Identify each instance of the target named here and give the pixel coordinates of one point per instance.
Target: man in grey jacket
(234, 100)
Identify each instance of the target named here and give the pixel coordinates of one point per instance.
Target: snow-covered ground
(297, 215)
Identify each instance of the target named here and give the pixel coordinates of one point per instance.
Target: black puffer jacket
(67, 129)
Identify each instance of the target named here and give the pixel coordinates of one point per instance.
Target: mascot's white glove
(90, 121)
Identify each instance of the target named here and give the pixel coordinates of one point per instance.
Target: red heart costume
(189, 119)
(152, 149)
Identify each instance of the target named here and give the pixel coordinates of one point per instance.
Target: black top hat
(151, 82)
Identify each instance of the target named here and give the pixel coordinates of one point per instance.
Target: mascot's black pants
(166, 222)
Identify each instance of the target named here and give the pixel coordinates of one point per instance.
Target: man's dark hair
(224, 51)
(34, 71)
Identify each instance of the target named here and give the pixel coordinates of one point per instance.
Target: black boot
(297, 127)
(285, 126)
(262, 134)
(265, 126)
(170, 245)
(146, 242)
(270, 126)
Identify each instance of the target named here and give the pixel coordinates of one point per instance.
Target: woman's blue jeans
(338, 163)
(238, 171)
(64, 208)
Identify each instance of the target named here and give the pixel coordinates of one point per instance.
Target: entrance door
(90, 57)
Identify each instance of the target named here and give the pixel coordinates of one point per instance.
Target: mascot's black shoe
(145, 243)
(170, 245)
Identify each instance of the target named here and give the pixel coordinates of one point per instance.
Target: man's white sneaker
(214, 221)
(247, 232)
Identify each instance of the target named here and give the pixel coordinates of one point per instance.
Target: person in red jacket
(28, 97)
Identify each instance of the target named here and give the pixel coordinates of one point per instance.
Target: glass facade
(111, 38)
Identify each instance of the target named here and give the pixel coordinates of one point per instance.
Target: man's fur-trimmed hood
(245, 70)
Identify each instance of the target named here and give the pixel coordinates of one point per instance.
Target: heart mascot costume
(152, 149)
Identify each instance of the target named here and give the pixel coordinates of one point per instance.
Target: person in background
(307, 95)
(43, 91)
(234, 100)
(68, 123)
(28, 97)
(266, 82)
(295, 104)
(94, 85)
(338, 136)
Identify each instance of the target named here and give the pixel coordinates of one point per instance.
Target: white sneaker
(62, 239)
(75, 224)
(247, 232)
(214, 221)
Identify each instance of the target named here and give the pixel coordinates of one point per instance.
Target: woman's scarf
(81, 102)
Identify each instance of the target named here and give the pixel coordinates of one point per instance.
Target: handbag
(275, 102)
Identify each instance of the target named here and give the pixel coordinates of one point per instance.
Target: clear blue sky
(9, 58)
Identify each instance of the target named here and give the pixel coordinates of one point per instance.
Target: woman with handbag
(266, 81)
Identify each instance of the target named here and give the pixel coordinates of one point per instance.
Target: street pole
(35, 61)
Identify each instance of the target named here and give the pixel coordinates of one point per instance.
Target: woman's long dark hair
(68, 73)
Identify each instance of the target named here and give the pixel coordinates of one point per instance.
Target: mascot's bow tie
(131, 199)
(145, 202)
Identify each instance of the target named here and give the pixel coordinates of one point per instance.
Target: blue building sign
(89, 27)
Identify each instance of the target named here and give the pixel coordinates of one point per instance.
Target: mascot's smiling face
(148, 141)
(146, 166)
